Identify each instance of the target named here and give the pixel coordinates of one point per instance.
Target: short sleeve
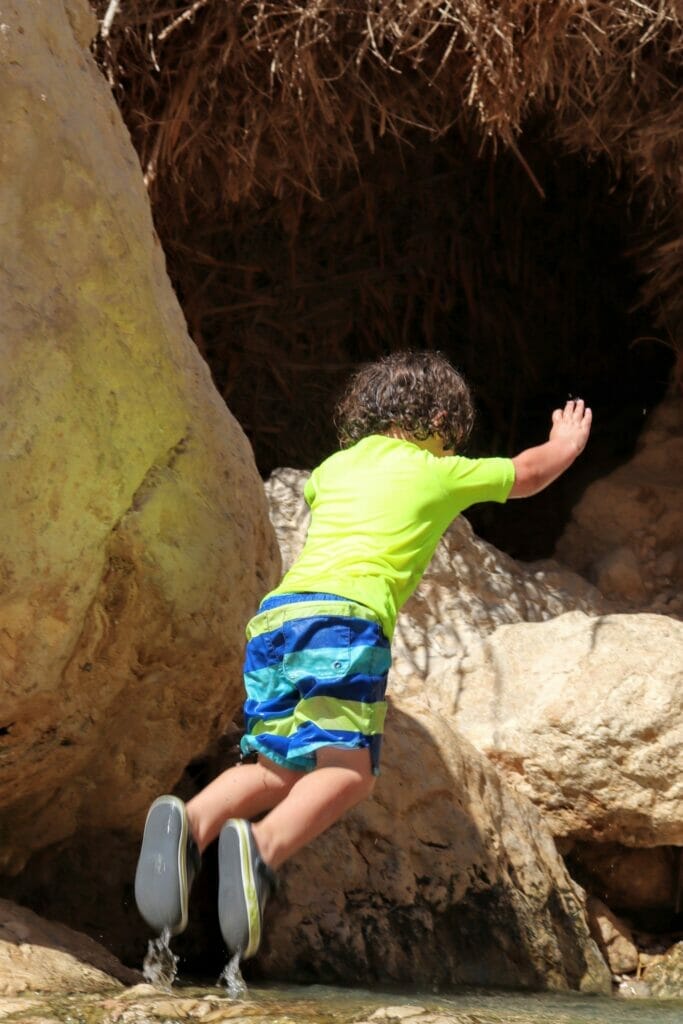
(469, 481)
(309, 491)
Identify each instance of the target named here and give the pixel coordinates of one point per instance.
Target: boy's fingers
(557, 415)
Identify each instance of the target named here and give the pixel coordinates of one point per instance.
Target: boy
(318, 653)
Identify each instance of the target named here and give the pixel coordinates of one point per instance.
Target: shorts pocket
(318, 650)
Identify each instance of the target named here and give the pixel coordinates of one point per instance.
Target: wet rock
(626, 532)
(42, 956)
(664, 978)
(633, 988)
(397, 1012)
(613, 937)
(135, 537)
(143, 1006)
(10, 1006)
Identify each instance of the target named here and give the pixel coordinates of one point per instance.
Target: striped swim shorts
(315, 673)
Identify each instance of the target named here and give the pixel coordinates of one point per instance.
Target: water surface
(211, 1004)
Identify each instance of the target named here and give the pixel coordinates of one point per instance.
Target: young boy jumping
(318, 650)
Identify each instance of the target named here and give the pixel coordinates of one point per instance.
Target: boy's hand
(573, 424)
(535, 468)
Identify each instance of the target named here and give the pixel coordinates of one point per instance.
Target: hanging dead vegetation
(233, 99)
(246, 114)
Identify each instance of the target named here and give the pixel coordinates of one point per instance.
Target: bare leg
(242, 791)
(314, 802)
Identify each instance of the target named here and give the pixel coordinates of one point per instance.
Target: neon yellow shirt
(378, 511)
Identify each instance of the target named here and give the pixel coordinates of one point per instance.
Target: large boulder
(446, 876)
(135, 538)
(43, 956)
(626, 532)
(583, 715)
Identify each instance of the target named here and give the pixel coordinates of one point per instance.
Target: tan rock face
(41, 956)
(135, 539)
(626, 533)
(584, 716)
(445, 876)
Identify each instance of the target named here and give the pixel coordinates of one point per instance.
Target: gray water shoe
(168, 864)
(245, 883)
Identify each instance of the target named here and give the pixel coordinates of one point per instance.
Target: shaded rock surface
(135, 536)
(626, 532)
(644, 879)
(42, 956)
(613, 937)
(446, 876)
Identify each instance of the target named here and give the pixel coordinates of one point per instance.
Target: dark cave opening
(643, 885)
(533, 296)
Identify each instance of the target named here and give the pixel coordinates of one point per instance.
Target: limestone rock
(664, 977)
(626, 532)
(584, 716)
(613, 937)
(445, 876)
(135, 540)
(41, 956)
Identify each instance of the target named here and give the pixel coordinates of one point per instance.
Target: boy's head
(417, 393)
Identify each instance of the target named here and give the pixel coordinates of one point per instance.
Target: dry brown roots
(246, 112)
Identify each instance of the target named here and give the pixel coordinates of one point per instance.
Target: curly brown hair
(418, 392)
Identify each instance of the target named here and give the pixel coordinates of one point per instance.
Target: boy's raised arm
(537, 467)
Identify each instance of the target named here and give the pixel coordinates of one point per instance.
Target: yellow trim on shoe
(251, 899)
(182, 867)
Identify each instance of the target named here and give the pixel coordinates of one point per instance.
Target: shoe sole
(239, 913)
(161, 876)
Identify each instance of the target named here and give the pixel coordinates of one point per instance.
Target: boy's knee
(358, 763)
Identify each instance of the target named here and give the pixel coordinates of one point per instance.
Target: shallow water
(476, 1007)
(145, 1004)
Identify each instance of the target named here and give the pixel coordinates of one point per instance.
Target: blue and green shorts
(315, 673)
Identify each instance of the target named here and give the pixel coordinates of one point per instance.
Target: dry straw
(245, 113)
